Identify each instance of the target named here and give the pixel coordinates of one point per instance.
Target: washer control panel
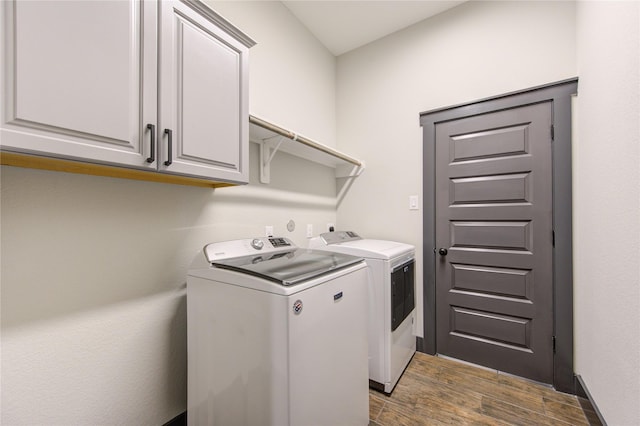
(238, 248)
(257, 243)
(280, 242)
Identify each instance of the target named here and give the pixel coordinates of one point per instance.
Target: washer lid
(349, 242)
(288, 267)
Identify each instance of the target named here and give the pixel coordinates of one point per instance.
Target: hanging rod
(303, 140)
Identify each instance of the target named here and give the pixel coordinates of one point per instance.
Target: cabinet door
(203, 97)
(76, 80)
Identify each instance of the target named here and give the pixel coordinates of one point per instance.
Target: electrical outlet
(268, 231)
(309, 230)
(330, 227)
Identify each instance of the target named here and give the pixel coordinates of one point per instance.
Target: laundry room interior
(94, 268)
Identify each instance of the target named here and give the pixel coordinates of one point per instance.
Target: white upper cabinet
(203, 96)
(109, 81)
(72, 73)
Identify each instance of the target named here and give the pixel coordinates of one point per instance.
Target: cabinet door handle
(152, 157)
(169, 134)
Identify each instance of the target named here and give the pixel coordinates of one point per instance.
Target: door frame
(560, 94)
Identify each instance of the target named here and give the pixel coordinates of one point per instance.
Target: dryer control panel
(339, 237)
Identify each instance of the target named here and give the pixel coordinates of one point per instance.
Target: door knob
(443, 252)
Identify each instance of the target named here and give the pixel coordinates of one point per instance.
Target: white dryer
(276, 335)
(392, 340)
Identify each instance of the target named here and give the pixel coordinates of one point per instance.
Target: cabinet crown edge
(221, 21)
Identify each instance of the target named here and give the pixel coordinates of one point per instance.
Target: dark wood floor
(436, 391)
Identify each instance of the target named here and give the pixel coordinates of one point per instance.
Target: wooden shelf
(273, 138)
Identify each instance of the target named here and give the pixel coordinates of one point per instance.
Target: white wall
(607, 208)
(292, 76)
(473, 51)
(93, 269)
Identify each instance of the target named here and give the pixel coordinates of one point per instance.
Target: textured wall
(607, 208)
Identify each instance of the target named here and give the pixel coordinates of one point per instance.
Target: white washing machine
(276, 335)
(392, 340)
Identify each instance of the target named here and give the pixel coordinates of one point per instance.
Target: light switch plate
(413, 202)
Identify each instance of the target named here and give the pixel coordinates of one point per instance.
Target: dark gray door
(494, 285)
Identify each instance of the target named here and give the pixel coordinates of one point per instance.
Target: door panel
(503, 282)
(484, 235)
(494, 328)
(493, 216)
(509, 188)
(492, 143)
(203, 89)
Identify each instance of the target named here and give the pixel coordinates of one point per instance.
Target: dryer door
(402, 292)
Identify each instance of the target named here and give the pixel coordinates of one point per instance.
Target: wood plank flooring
(437, 391)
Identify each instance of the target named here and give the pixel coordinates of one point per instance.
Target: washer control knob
(257, 244)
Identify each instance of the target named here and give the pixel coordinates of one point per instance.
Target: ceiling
(345, 25)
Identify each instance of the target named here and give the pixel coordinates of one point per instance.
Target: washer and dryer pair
(392, 315)
(277, 335)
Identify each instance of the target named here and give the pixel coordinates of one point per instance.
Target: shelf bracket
(345, 176)
(268, 149)
(349, 171)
